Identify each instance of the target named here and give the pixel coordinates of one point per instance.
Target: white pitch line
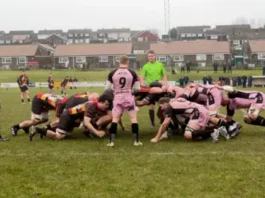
(136, 154)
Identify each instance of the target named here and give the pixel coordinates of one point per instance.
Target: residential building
(216, 35)
(114, 35)
(52, 40)
(76, 36)
(13, 56)
(192, 32)
(43, 34)
(20, 36)
(91, 55)
(257, 52)
(201, 52)
(145, 36)
(2, 33)
(6, 39)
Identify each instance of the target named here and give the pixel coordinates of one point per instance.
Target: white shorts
(42, 116)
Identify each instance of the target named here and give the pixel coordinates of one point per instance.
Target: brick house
(114, 35)
(192, 32)
(257, 52)
(91, 55)
(144, 36)
(200, 53)
(76, 36)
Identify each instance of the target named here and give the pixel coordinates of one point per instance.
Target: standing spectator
(244, 81)
(204, 79)
(151, 72)
(182, 68)
(23, 82)
(186, 80)
(181, 81)
(229, 68)
(75, 81)
(51, 84)
(188, 66)
(215, 66)
(64, 84)
(210, 80)
(71, 82)
(224, 67)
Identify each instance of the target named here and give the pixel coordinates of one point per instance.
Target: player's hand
(101, 134)
(154, 140)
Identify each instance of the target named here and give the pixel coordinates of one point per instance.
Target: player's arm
(89, 126)
(109, 80)
(162, 130)
(142, 76)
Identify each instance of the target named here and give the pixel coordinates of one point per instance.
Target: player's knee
(60, 136)
(188, 135)
(133, 119)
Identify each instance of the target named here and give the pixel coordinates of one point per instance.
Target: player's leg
(28, 97)
(22, 95)
(253, 116)
(113, 128)
(152, 114)
(134, 125)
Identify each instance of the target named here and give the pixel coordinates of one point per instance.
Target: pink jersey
(178, 90)
(188, 109)
(123, 80)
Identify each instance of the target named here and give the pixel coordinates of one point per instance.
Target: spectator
(215, 66)
(186, 80)
(224, 67)
(181, 81)
(210, 80)
(188, 66)
(75, 81)
(229, 68)
(244, 81)
(204, 79)
(182, 68)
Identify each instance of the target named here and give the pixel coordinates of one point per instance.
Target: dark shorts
(51, 87)
(67, 122)
(23, 89)
(36, 106)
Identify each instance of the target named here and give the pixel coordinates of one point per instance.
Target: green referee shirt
(153, 72)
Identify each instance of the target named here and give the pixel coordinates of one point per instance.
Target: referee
(151, 72)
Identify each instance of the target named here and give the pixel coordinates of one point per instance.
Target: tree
(173, 33)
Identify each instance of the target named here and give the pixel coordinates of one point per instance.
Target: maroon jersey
(123, 80)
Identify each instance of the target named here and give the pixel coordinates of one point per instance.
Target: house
(141, 48)
(52, 40)
(257, 52)
(19, 37)
(2, 33)
(114, 35)
(229, 29)
(201, 52)
(192, 32)
(76, 36)
(14, 56)
(6, 39)
(43, 34)
(216, 35)
(91, 55)
(146, 36)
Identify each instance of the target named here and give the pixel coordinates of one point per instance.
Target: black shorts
(36, 106)
(23, 89)
(67, 122)
(51, 87)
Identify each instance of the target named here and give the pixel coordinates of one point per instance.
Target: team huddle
(193, 110)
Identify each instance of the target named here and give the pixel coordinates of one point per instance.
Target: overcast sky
(134, 14)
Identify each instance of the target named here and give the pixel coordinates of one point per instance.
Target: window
(193, 35)
(80, 59)
(70, 35)
(76, 41)
(117, 59)
(2, 42)
(87, 40)
(178, 58)
(22, 60)
(138, 51)
(162, 59)
(81, 34)
(218, 57)
(20, 41)
(81, 40)
(8, 41)
(103, 59)
(214, 37)
(6, 60)
(63, 59)
(201, 57)
(261, 56)
(140, 39)
(76, 35)
(200, 35)
(236, 42)
(188, 35)
(70, 41)
(183, 35)
(86, 34)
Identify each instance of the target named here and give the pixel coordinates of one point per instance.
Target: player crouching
(198, 119)
(41, 105)
(94, 114)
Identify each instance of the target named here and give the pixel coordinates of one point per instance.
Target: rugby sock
(22, 100)
(152, 116)
(135, 131)
(17, 126)
(113, 131)
(204, 134)
(26, 130)
(28, 100)
(260, 121)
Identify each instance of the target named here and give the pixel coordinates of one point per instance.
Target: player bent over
(123, 80)
(254, 101)
(72, 117)
(41, 105)
(198, 114)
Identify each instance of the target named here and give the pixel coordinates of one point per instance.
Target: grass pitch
(82, 167)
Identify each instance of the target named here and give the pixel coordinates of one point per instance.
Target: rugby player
(23, 82)
(51, 84)
(42, 103)
(64, 84)
(151, 72)
(123, 80)
(94, 113)
(198, 119)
